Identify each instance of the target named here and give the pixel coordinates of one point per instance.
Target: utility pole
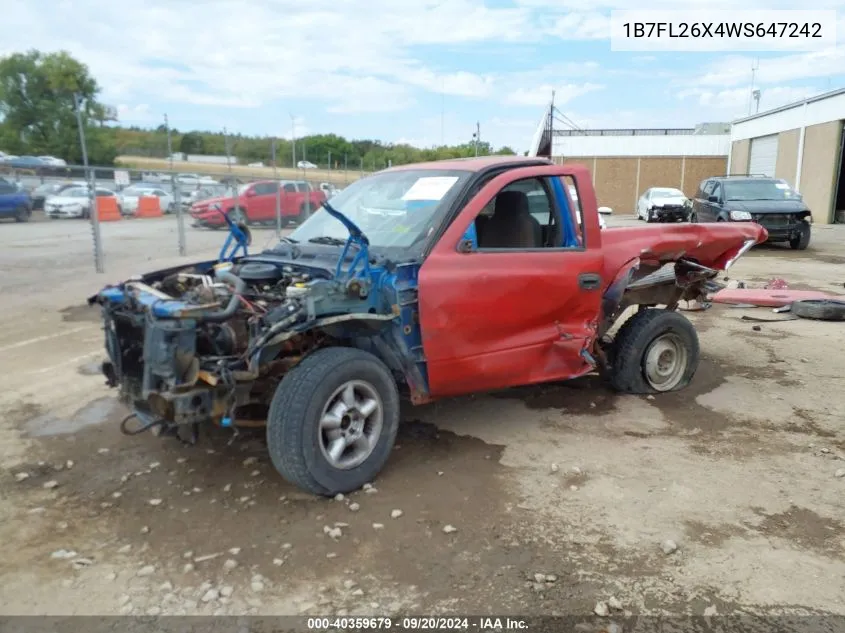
(278, 190)
(229, 162)
(755, 65)
(177, 191)
(92, 194)
(477, 136)
(442, 112)
(552, 127)
(293, 140)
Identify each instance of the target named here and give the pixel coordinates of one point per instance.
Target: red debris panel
(768, 297)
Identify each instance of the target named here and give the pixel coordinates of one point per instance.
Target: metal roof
(790, 106)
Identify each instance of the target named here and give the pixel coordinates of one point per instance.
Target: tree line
(38, 97)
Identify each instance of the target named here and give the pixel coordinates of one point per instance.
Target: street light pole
(93, 212)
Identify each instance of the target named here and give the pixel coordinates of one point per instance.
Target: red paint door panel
(492, 319)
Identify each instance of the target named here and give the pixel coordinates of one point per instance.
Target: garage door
(764, 155)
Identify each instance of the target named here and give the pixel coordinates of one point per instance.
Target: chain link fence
(269, 199)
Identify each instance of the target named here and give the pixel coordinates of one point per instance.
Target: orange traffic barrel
(148, 207)
(107, 210)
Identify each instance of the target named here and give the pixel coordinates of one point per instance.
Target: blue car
(14, 202)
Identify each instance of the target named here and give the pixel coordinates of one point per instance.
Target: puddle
(94, 368)
(83, 313)
(580, 396)
(94, 413)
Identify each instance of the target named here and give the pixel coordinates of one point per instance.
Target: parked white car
(662, 204)
(52, 161)
(74, 203)
(304, 164)
(130, 197)
(150, 176)
(195, 179)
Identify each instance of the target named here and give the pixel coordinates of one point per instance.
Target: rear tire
(801, 242)
(655, 351)
(22, 214)
(301, 428)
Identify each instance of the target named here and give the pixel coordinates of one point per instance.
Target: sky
(422, 72)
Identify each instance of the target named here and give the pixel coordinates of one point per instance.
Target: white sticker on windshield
(431, 188)
(781, 185)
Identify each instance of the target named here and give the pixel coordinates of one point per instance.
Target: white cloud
(581, 26)
(735, 102)
(736, 70)
(540, 95)
(135, 114)
(461, 83)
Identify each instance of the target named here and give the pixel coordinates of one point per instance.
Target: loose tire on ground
(819, 309)
(296, 433)
(801, 242)
(654, 351)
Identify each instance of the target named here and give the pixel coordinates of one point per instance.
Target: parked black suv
(770, 202)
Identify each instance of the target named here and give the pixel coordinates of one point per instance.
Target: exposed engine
(198, 343)
(262, 301)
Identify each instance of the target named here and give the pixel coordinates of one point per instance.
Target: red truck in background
(256, 203)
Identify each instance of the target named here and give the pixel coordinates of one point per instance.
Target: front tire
(650, 216)
(655, 351)
(801, 242)
(333, 421)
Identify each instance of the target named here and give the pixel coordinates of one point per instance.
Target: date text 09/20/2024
(420, 623)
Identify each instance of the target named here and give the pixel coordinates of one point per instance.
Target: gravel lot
(561, 496)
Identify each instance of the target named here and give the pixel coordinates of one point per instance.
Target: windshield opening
(666, 193)
(746, 190)
(394, 209)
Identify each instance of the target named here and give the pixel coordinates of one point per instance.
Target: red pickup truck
(256, 203)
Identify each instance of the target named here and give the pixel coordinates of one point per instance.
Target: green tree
(192, 143)
(38, 112)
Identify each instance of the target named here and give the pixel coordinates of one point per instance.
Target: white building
(801, 142)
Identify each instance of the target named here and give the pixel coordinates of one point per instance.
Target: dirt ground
(570, 481)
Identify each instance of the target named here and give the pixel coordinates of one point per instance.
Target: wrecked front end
(209, 343)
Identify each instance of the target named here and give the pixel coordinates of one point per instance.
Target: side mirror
(250, 193)
(465, 246)
(713, 199)
(605, 211)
